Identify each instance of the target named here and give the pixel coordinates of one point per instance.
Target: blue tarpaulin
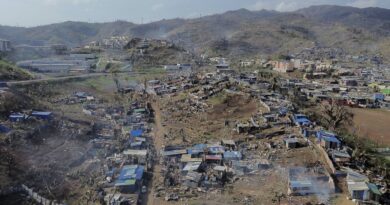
(300, 119)
(331, 139)
(136, 133)
(4, 129)
(42, 115)
(232, 155)
(131, 172)
(323, 133)
(129, 177)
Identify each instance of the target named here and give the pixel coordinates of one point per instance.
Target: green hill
(9, 71)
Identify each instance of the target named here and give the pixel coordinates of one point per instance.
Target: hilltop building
(5, 45)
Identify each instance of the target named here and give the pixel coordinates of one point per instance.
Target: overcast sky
(40, 12)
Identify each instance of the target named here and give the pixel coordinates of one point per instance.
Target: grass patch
(9, 71)
(217, 99)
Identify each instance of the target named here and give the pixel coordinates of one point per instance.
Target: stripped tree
(333, 115)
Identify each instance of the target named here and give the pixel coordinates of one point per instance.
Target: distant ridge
(241, 32)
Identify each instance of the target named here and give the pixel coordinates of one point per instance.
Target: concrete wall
(38, 198)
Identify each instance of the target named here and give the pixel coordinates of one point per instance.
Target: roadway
(64, 78)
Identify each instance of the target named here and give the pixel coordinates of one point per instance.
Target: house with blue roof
(328, 140)
(137, 145)
(4, 129)
(330, 143)
(215, 149)
(136, 133)
(42, 115)
(282, 111)
(17, 117)
(323, 133)
(301, 120)
(130, 178)
(232, 155)
(197, 150)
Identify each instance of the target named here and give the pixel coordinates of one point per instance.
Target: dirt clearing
(374, 124)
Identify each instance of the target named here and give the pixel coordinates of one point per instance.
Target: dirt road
(66, 78)
(158, 140)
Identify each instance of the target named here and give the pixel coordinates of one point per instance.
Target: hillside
(69, 33)
(237, 33)
(9, 71)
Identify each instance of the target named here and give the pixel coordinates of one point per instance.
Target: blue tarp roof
(299, 116)
(216, 149)
(302, 120)
(283, 110)
(300, 183)
(17, 115)
(41, 113)
(134, 144)
(136, 133)
(194, 151)
(199, 146)
(4, 129)
(131, 172)
(331, 139)
(232, 155)
(323, 133)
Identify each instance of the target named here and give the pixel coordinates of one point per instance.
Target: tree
(334, 115)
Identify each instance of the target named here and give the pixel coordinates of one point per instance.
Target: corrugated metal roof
(219, 168)
(41, 113)
(192, 166)
(188, 158)
(330, 139)
(129, 175)
(357, 186)
(300, 184)
(135, 152)
(232, 155)
(174, 152)
(356, 177)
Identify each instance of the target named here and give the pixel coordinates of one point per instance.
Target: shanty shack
(136, 156)
(130, 178)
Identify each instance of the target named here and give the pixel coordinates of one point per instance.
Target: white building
(5, 45)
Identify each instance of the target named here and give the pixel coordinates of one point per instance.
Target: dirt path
(158, 140)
